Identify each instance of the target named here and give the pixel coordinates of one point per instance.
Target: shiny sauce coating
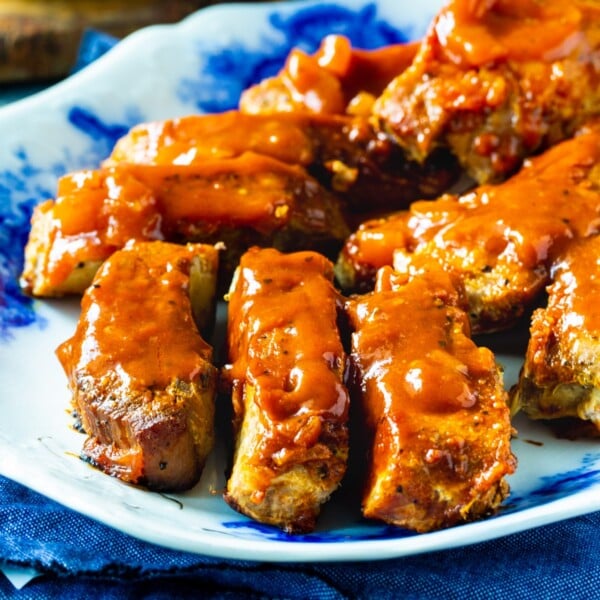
(433, 404)
(479, 32)
(98, 211)
(113, 340)
(336, 79)
(526, 220)
(413, 348)
(195, 138)
(576, 284)
(564, 335)
(284, 344)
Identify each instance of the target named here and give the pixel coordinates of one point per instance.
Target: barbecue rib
(242, 201)
(140, 373)
(290, 405)
(560, 376)
(337, 79)
(496, 81)
(500, 241)
(345, 154)
(433, 404)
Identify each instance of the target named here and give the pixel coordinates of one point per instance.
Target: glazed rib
(500, 241)
(346, 154)
(560, 376)
(290, 405)
(242, 201)
(432, 403)
(140, 373)
(497, 81)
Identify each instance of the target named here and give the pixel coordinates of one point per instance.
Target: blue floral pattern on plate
(229, 71)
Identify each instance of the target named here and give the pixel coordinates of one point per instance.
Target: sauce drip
(576, 280)
(328, 81)
(564, 335)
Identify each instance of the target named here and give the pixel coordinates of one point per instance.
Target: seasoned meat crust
(500, 240)
(560, 376)
(497, 81)
(140, 373)
(432, 403)
(345, 154)
(241, 201)
(286, 365)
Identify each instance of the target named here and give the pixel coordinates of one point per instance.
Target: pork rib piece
(560, 376)
(290, 403)
(432, 403)
(140, 373)
(496, 81)
(241, 201)
(499, 240)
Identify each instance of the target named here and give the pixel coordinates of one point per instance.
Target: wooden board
(39, 39)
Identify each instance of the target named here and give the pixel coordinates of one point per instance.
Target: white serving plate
(202, 64)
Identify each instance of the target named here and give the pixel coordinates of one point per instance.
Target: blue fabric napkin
(81, 558)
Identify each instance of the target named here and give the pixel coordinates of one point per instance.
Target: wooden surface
(39, 39)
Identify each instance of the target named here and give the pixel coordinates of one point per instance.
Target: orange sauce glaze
(497, 81)
(431, 399)
(97, 212)
(576, 280)
(195, 138)
(567, 331)
(293, 138)
(479, 32)
(402, 343)
(363, 70)
(283, 341)
(526, 219)
(146, 339)
(328, 80)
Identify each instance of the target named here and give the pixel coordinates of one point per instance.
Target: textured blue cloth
(81, 558)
